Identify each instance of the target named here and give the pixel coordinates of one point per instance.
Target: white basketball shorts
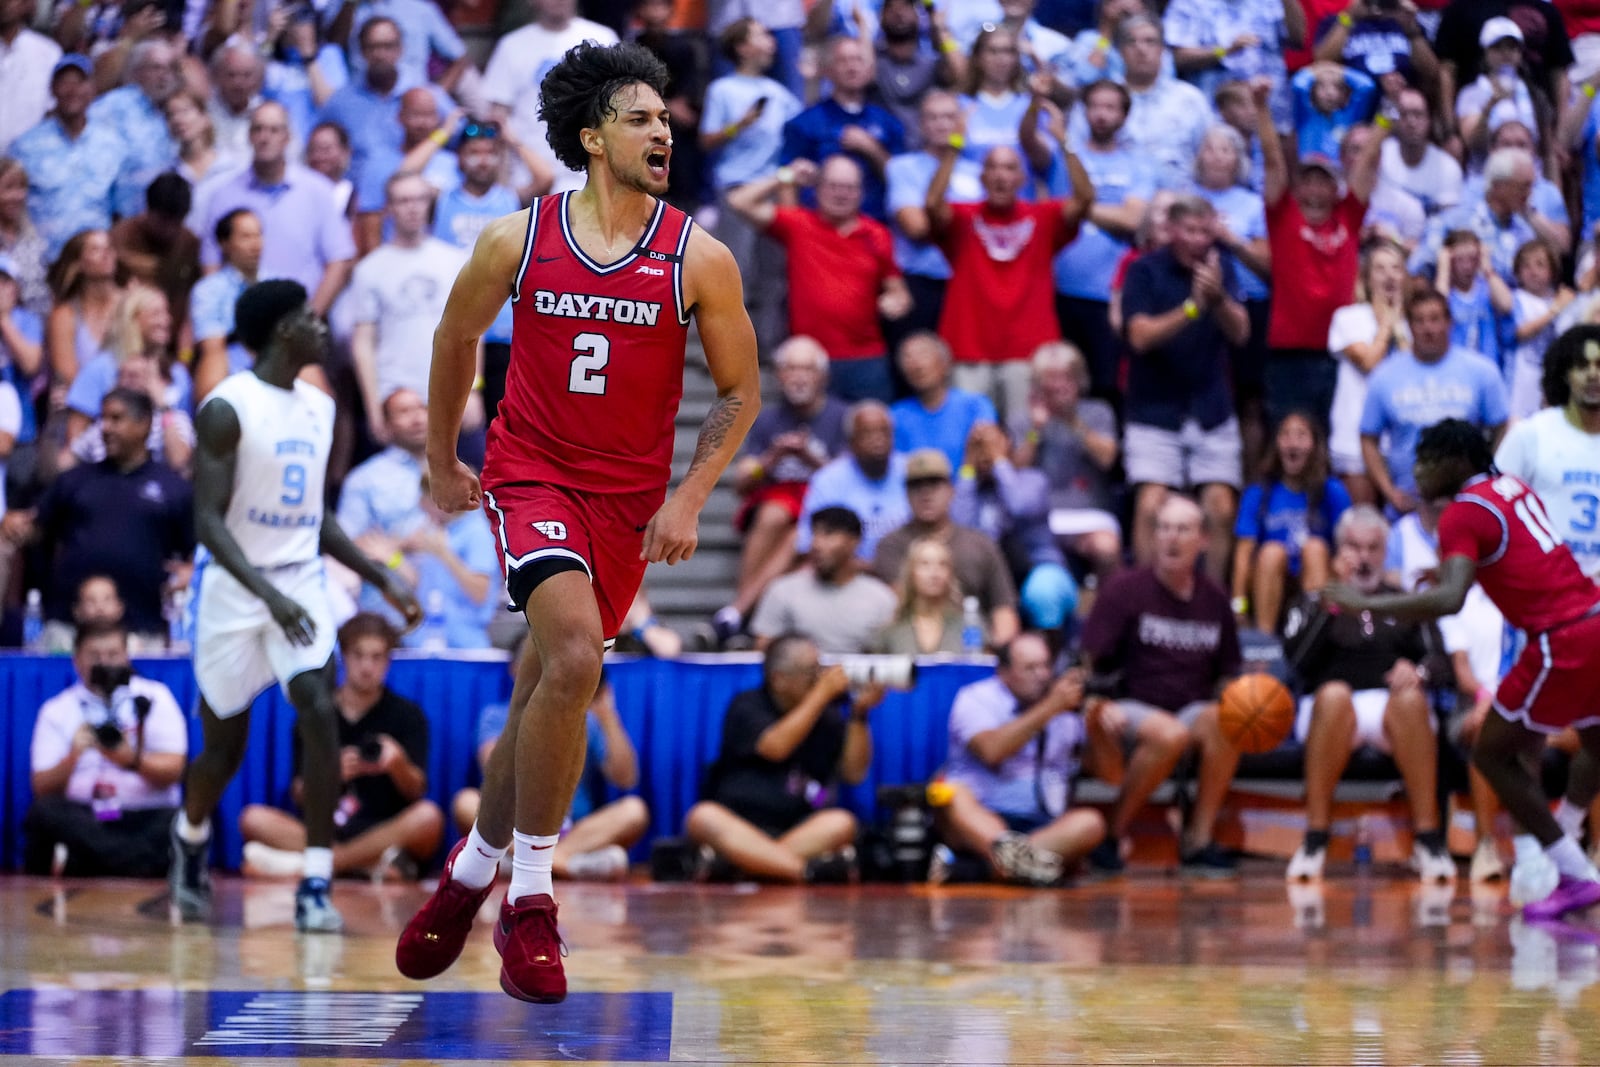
(239, 651)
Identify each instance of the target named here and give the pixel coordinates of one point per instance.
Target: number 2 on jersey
(294, 485)
(593, 353)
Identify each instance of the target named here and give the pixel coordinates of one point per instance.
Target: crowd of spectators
(1061, 299)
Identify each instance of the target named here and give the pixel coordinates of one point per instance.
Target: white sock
(532, 858)
(193, 835)
(319, 864)
(1571, 817)
(1570, 860)
(1527, 848)
(477, 863)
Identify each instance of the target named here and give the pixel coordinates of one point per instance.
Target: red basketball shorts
(604, 532)
(1555, 683)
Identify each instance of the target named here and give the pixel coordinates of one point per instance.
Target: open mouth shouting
(657, 161)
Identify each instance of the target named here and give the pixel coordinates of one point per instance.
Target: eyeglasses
(486, 130)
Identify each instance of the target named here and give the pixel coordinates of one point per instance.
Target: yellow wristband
(1220, 52)
(1383, 123)
(966, 472)
(948, 46)
(1191, 310)
(395, 560)
(1102, 43)
(1345, 20)
(758, 470)
(731, 130)
(957, 141)
(439, 136)
(477, 384)
(1241, 606)
(1588, 90)
(1032, 437)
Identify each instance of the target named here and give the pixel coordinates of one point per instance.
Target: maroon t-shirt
(1169, 651)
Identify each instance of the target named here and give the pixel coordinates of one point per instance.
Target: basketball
(1256, 713)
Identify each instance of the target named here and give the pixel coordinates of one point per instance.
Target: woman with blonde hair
(141, 326)
(1360, 336)
(928, 618)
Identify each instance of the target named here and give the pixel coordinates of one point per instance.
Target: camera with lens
(891, 672)
(371, 749)
(108, 735)
(108, 678)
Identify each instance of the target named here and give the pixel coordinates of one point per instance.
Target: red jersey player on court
(605, 281)
(1495, 531)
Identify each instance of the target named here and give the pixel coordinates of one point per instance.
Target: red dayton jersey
(596, 359)
(1500, 524)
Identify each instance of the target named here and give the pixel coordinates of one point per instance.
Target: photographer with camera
(770, 806)
(106, 758)
(384, 824)
(1015, 744)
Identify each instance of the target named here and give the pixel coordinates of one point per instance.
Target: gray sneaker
(1020, 861)
(314, 912)
(188, 877)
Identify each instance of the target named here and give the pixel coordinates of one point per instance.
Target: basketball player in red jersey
(1495, 531)
(605, 280)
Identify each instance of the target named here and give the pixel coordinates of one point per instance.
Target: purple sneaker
(1570, 894)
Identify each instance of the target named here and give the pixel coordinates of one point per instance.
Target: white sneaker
(1532, 878)
(602, 865)
(264, 861)
(1306, 866)
(1486, 863)
(1434, 868)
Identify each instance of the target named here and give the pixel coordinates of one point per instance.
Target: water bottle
(971, 626)
(433, 636)
(175, 607)
(1363, 845)
(33, 622)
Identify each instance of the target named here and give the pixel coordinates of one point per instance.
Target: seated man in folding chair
(1365, 678)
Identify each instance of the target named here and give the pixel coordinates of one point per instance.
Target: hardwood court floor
(1146, 969)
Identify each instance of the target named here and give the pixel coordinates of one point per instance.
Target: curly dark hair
(1456, 439)
(579, 92)
(1564, 353)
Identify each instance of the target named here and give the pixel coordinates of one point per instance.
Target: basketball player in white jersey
(261, 594)
(1557, 450)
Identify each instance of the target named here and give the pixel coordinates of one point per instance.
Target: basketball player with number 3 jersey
(1557, 450)
(261, 602)
(604, 282)
(1495, 531)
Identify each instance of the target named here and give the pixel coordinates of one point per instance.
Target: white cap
(1498, 29)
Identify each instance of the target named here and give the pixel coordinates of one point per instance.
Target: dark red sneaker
(531, 950)
(436, 934)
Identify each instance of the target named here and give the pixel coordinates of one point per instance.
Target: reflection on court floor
(1148, 968)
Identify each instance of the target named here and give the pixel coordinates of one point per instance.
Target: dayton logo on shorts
(555, 531)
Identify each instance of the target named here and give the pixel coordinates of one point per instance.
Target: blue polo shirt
(945, 429)
(96, 519)
(466, 623)
(814, 134)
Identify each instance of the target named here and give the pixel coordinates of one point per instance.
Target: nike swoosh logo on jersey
(638, 529)
(547, 259)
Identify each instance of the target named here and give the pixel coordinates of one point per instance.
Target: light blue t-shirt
(880, 505)
(1286, 519)
(290, 85)
(754, 152)
(591, 787)
(1474, 323)
(1320, 132)
(909, 176)
(1085, 267)
(945, 429)
(1405, 396)
(98, 377)
(1246, 215)
(466, 624)
(990, 123)
(1591, 170)
(458, 219)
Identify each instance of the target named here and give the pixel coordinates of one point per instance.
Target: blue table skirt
(672, 709)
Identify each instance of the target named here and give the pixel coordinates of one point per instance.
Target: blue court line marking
(346, 1026)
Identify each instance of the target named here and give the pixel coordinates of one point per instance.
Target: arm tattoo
(714, 431)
